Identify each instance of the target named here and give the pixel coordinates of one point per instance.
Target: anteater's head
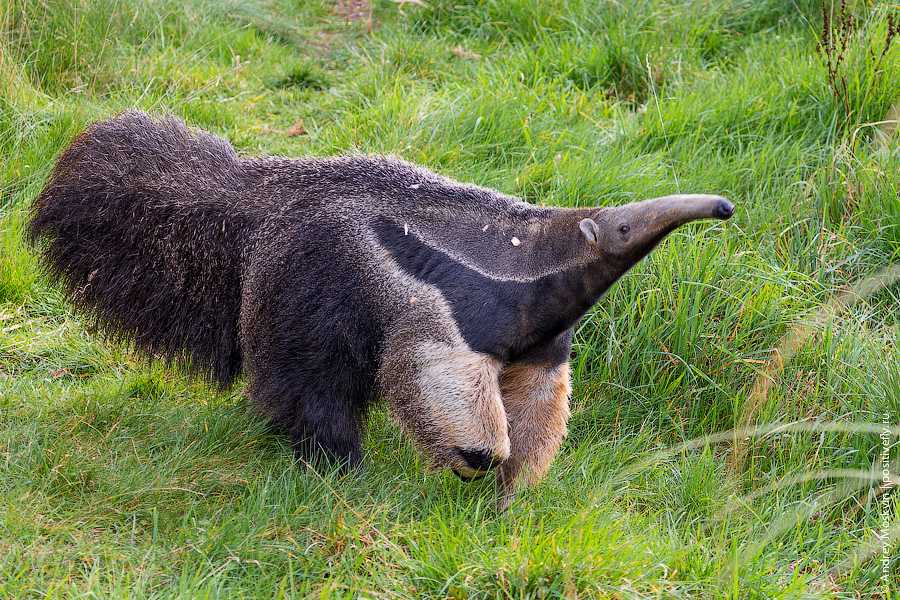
(628, 233)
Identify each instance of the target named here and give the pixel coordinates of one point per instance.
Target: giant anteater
(335, 281)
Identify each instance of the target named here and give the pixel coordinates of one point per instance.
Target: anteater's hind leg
(321, 407)
(536, 398)
(328, 420)
(310, 347)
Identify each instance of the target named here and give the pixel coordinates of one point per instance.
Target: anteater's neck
(506, 315)
(555, 302)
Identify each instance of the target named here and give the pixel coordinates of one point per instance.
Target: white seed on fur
(415, 186)
(515, 241)
(485, 228)
(406, 229)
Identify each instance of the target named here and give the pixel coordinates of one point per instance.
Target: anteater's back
(143, 221)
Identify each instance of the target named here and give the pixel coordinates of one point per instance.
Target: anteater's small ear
(590, 230)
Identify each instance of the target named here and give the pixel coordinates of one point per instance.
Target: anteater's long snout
(724, 209)
(677, 209)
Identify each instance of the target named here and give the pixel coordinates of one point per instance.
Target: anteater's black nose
(725, 209)
(479, 460)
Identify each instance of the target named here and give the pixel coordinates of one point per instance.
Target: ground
(120, 477)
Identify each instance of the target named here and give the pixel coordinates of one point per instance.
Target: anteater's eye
(624, 228)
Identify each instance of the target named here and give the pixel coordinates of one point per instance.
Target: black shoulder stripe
(482, 307)
(501, 318)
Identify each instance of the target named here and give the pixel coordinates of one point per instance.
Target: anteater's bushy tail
(145, 223)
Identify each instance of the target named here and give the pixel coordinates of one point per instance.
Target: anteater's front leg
(536, 398)
(447, 397)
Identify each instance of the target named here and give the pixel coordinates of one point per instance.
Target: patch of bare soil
(354, 10)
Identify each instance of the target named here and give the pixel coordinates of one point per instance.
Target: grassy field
(120, 478)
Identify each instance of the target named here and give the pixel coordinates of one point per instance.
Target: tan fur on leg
(536, 398)
(447, 397)
(460, 389)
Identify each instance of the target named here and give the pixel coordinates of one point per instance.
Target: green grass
(120, 478)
